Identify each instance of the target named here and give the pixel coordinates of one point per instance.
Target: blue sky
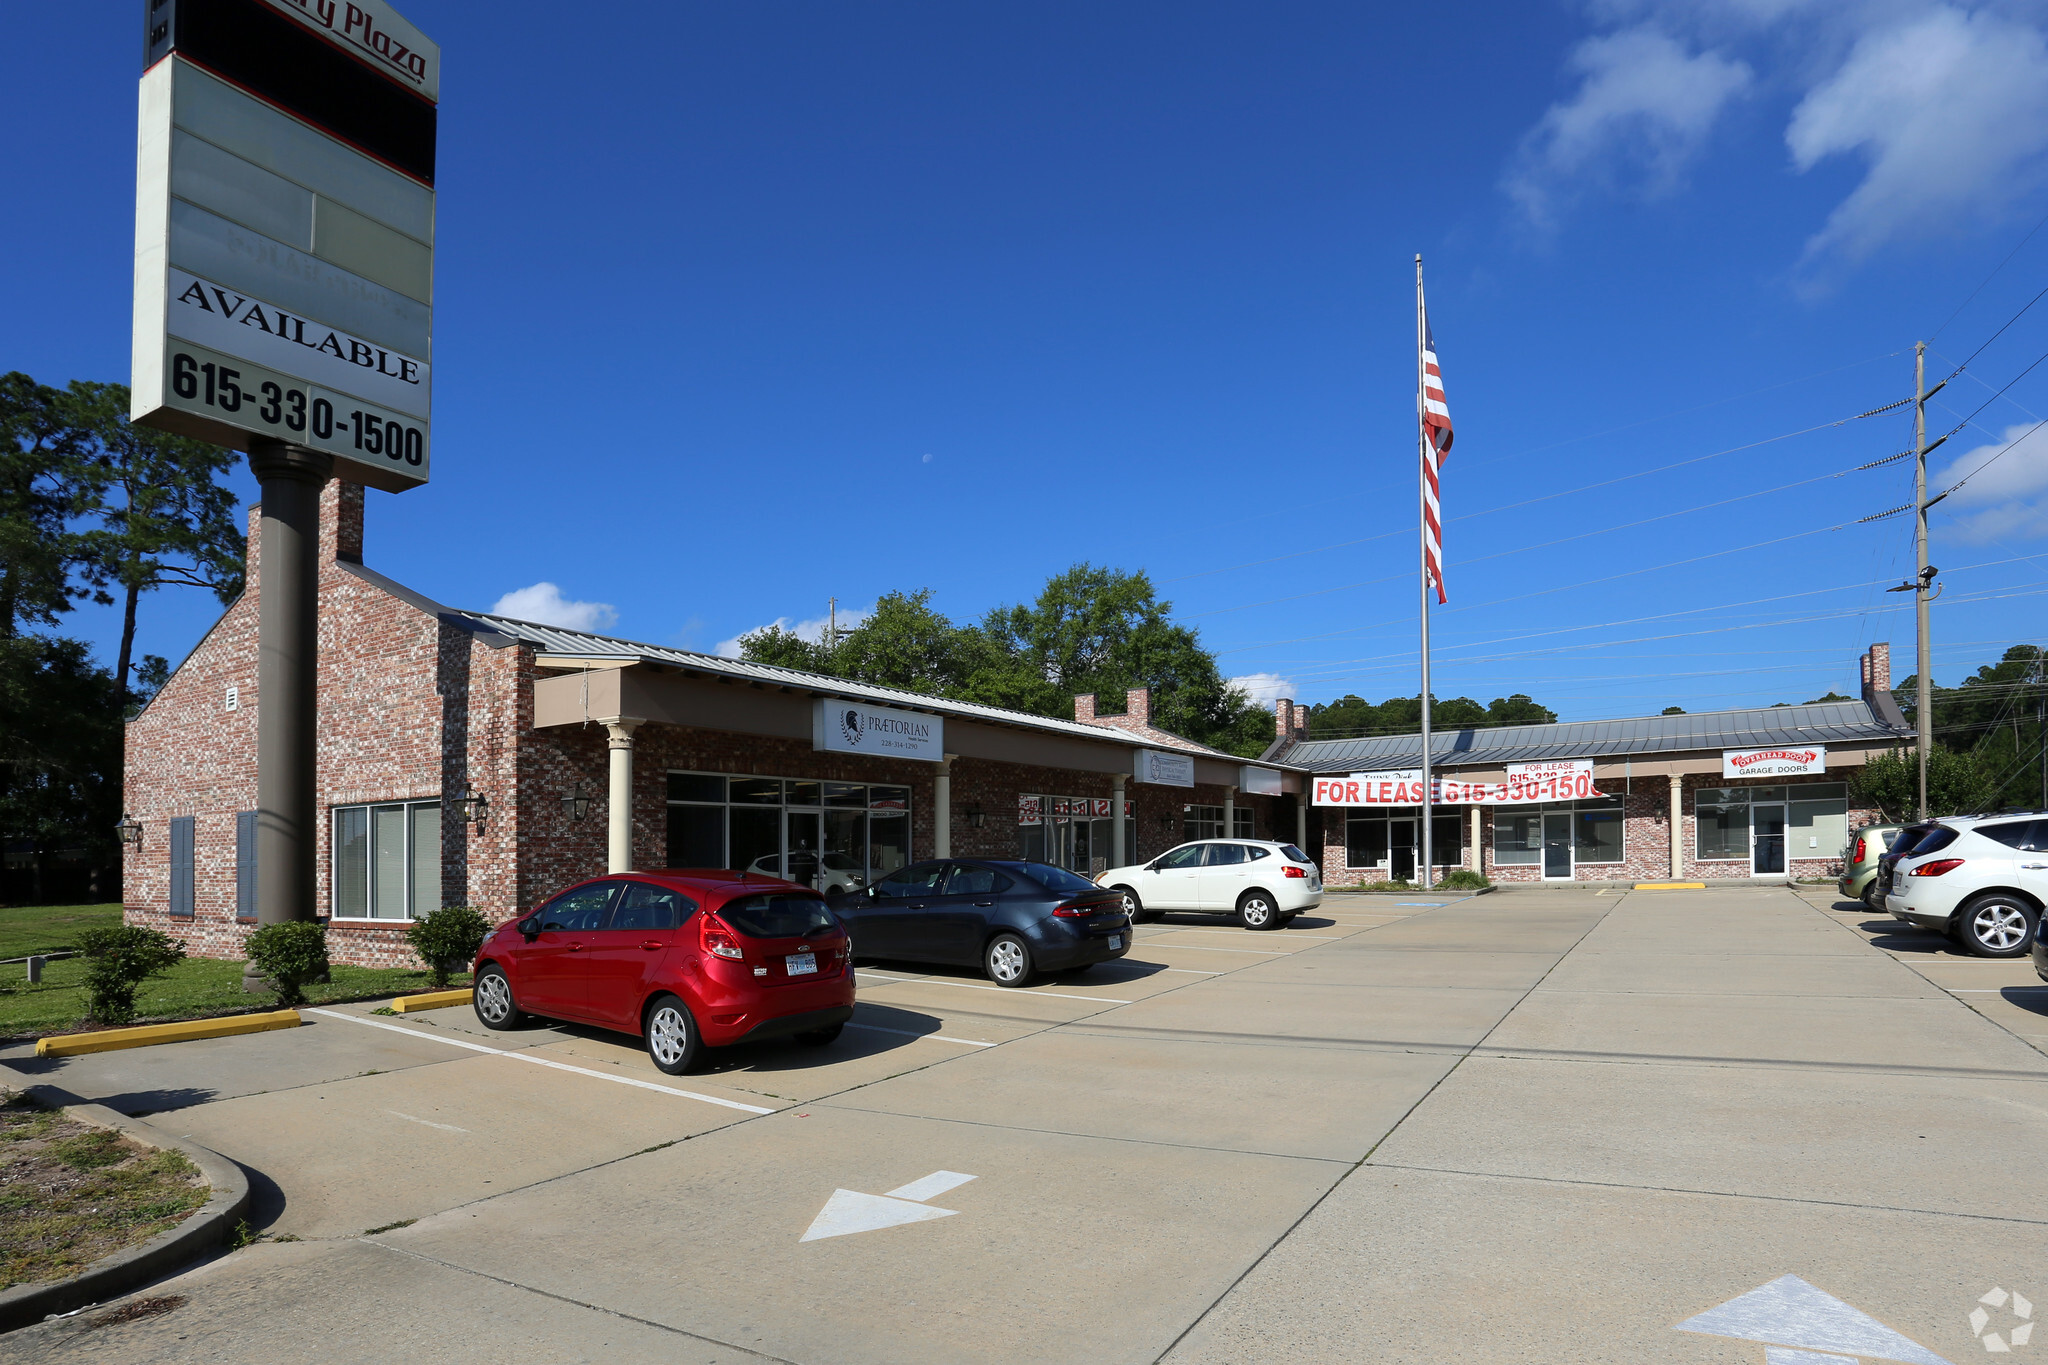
(744, 306)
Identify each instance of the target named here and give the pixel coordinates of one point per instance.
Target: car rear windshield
(1903, 841)
(1056, 878)
(777, 915)
(1934, 841)
(1293, 854)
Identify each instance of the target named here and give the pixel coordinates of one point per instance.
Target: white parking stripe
(1199, 948)
(540, 1061)
(906, 1033)
(1331, 938)
(971, 986)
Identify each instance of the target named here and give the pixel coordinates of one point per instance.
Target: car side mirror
(530, 926)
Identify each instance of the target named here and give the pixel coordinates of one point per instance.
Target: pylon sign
(284, 230)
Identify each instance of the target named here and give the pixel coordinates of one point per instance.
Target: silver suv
(1980, 879)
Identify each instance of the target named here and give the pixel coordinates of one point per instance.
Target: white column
(1301, 822)
(1478, 861)
(1119, 856)
(1677, 828)
(619, 804)
(1230, 812)
(942, 808)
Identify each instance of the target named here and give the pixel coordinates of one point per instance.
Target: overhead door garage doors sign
(1774, 762)
(849, 727)
(284, 231)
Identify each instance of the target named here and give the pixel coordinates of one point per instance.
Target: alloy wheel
(1999, 927)
(493, 997)
(1256, 912)
(668, 1034)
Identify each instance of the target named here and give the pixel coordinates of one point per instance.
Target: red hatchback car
(684, 959)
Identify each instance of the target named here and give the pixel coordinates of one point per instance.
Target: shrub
(290, 955)
(447, 940)
(1462, 879)
(118, 959)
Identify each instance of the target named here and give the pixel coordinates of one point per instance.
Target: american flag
(1436, 434)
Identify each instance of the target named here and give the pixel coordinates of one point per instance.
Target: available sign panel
(1163, 769)
(1258, 781)
(1404, 788)
(851, 727)
(1793, 762)
(284, 231)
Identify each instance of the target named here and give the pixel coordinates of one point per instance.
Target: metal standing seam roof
(583, 645)
(1755, 728)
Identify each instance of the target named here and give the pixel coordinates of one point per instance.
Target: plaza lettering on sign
(360, 29)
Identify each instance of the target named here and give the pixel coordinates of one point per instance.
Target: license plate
(1116, 940)
(802, 964)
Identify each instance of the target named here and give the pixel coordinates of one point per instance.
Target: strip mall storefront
(1777, 807)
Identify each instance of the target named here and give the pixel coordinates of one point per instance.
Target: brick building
(1731, 823)
(471, 759)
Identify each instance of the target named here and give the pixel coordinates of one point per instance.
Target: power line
(1988, 278)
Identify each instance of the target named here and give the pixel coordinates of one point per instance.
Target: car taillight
(1936, 868)
(1073, 911)
(718, 940)
(1294, 872)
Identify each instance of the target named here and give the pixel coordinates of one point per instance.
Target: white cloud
(1643, 101)
(2008, 499)
(812, 630)
(1264, 688)
(1951, 112)
(544, 604)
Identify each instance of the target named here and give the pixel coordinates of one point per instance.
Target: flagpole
(1422, 551)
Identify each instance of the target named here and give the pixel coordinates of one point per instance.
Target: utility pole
(1923, 703)
(1428, 877)
(832, 626)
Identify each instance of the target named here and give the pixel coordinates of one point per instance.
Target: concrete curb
(432, 1000)
(168, 1251)
(149, 1035)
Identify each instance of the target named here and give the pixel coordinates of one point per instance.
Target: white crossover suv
(1983, 885)
(1263, 884)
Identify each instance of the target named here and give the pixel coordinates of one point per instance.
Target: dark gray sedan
(1012, 919)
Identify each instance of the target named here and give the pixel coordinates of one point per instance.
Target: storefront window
(831, 835)
(1721, 823)
(1597, 831)
(1374, 837)
(1517, 835)
(1365, 841)
(387, 860)
(1201, 822)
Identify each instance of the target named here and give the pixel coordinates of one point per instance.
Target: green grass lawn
(194, 989)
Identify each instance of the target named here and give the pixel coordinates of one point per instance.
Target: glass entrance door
(1401, 850)
(804, 845)
(1767, 839)
(1557, 846)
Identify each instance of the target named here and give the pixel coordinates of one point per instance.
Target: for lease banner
(1405, 789)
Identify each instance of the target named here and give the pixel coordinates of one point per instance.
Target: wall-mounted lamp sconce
(469, 807)
(576, 805)
(1166, 822)
(975, 818)
(128, 830)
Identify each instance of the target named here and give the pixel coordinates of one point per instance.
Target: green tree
(47, 481)
(1996, 715)
(1353, 717)
(164, 516)
(1672, 711)
(60, 752)
(781, 648)
(1957, 783)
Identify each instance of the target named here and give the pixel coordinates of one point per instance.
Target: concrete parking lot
(1536, 1125)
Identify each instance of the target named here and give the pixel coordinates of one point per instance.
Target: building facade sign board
(1404, 788)
(1163, 769)
(851, 727)
(284, 231)
(1258, 781)
(1788, 762)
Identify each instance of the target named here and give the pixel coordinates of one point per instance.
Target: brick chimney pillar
(1138, 705)
(1283, 718)
(1084, 707)
(341, 522)
(1881, 667)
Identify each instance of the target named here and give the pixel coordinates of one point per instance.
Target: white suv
(1979, 879)
(1263, 884)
